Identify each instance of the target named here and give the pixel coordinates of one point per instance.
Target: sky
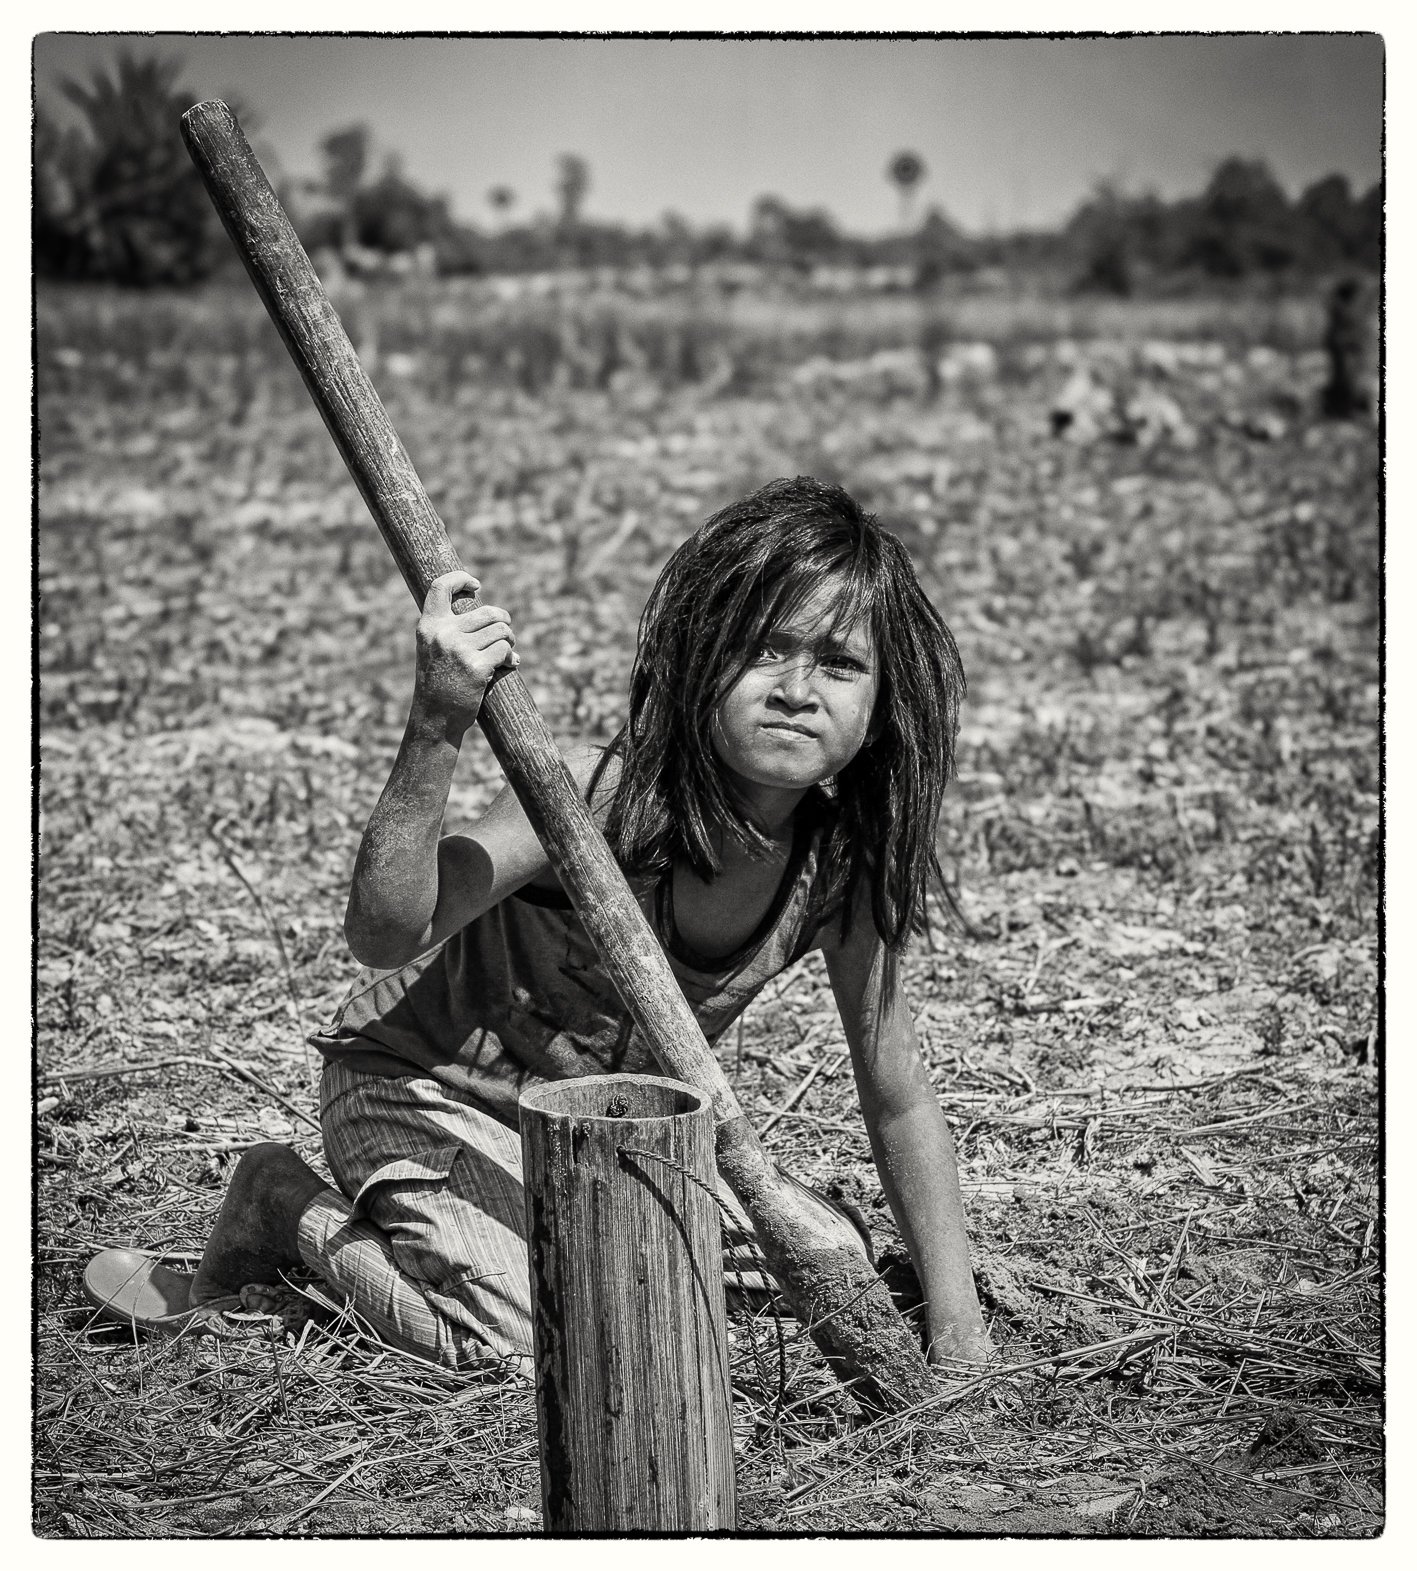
(1013, 132)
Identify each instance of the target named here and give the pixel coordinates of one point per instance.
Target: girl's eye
(765, 652)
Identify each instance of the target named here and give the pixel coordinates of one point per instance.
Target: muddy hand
(457, 655)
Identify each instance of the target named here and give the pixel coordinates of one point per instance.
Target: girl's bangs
(803, 575)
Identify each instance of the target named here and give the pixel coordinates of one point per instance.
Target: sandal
(131, 1288)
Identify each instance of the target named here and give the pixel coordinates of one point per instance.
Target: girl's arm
(909, 1137)
(412, 885)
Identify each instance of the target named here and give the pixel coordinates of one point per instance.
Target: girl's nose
(795, 682)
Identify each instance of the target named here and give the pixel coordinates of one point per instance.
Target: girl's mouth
(786, 728)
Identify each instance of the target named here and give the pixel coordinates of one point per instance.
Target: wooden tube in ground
(848, 1308)
(632, 1377)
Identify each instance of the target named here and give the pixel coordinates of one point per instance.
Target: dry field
(1157, 1039)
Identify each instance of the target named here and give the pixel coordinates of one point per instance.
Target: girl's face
(802, 709)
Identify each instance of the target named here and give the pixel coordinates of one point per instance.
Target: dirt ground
(1156, 1032)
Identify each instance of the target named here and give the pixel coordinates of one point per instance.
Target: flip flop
(135, 1289)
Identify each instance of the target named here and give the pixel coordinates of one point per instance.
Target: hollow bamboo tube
(832, 1290)
(631, 1337)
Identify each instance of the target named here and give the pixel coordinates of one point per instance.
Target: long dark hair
(744, 572)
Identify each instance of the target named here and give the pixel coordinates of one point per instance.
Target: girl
(792, 712)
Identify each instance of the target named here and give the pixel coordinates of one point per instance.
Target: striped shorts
(427, 1238)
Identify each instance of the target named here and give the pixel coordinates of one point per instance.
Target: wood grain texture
(869, 1340)
(631, 1338)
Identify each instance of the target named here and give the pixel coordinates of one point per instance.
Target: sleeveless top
(518, 996)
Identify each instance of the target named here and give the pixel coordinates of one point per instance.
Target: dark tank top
(518, 996)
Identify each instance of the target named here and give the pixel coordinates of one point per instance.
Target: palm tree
(123, 200)
(906, 171)
(346, 156)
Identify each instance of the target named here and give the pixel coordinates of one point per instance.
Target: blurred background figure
(1347, 394)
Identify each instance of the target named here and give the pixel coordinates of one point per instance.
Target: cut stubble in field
(1156, 1041)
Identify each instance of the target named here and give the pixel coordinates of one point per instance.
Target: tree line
(116, 198)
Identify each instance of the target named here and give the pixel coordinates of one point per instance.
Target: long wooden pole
(846, 1306)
